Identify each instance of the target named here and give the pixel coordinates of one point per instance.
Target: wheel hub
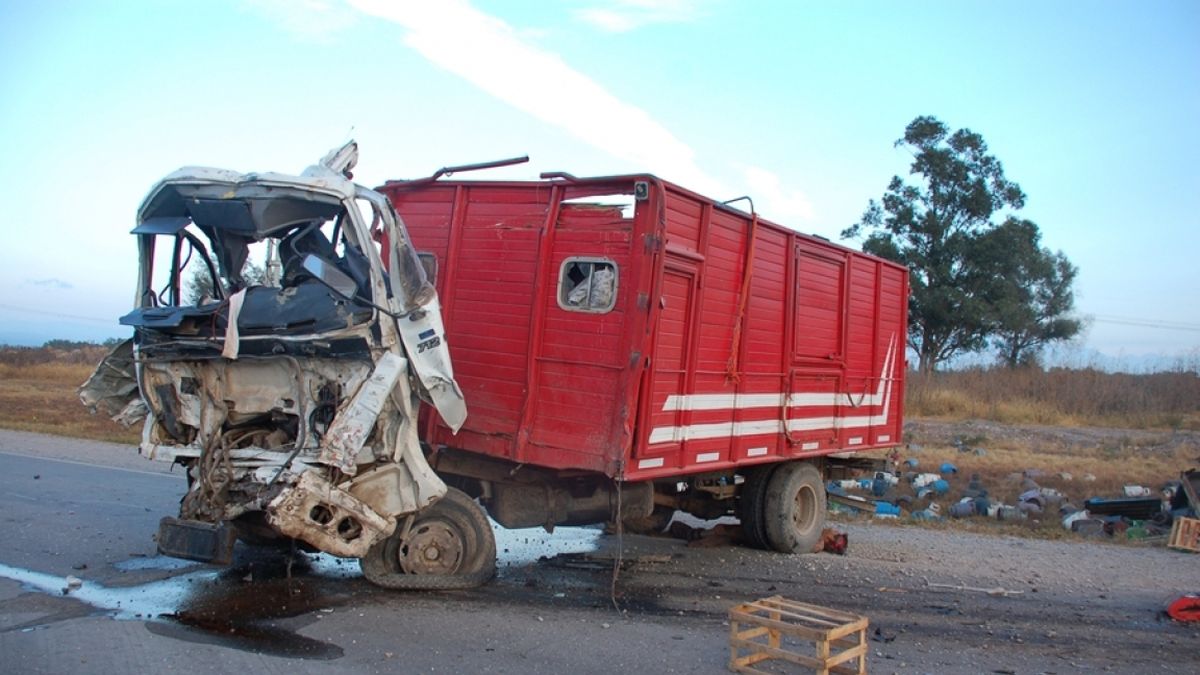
(432, 548)
(804, 511)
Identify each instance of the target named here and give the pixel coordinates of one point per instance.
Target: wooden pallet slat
(790, 613)
(801, 610)
(776, 628)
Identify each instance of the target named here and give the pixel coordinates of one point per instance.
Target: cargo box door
(577, 405)
(670, 380)
(813, 410)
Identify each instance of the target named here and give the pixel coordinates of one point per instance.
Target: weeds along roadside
(1060, 397)
(39, 393)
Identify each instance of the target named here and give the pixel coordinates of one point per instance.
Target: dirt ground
(984, 433)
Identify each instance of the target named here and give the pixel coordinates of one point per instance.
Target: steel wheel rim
(804, 510)
(432, 548)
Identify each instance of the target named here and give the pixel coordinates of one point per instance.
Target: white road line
(93, 465)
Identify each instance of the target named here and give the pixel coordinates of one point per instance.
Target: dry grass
(38, 393)
(1061, 397)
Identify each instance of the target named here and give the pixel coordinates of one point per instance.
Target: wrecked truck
(629, 349)
(291, 401)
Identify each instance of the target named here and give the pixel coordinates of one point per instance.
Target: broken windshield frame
(407, 275)
(273, 212)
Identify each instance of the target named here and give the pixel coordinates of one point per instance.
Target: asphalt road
(95, 522)
(90, 510)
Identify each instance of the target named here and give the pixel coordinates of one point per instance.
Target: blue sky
(1092, 108)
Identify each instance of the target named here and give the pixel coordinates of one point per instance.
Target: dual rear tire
(782, 507)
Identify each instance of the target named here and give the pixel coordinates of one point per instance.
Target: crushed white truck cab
(292, 399)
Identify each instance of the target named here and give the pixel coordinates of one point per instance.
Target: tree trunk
(926, 364)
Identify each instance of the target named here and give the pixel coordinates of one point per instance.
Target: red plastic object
(732, 340)
(1185, 608)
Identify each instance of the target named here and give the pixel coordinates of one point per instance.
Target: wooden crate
(1185, 534)
(780, 629)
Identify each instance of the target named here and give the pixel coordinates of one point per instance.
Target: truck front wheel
(450, 545)
(794, 508)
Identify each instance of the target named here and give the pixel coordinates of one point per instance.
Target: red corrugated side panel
(731, 340)
(485, 241)
(770, 345)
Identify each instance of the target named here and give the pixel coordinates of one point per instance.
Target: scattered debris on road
(1185, 608)
(1138, 514)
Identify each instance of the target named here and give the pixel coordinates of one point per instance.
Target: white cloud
(51, 283)
(607, 19)
(619, 16)
(490, 54)
(773, 199)
(316, 21)
(503, 61)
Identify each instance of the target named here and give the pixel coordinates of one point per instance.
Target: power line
(1146, 323)
(59, 315)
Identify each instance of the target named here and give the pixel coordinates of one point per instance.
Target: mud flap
(195, 540)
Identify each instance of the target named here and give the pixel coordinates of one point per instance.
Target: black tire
(449, 546)
(794, 509)
(751, 505)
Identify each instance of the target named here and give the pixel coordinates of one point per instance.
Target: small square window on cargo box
(587, 285)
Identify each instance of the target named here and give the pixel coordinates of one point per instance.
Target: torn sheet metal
(354, 423)
(112, 388)
(327, 517)
(390, 489)
(424, 339)
(428, 485)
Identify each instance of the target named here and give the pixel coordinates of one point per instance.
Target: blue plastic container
(886, 509)
(879, 487)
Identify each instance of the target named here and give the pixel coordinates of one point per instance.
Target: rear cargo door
(577, 407)
(671, 364)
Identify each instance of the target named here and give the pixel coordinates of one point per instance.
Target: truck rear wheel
(449, 546)
(794, 508)
(752, 505)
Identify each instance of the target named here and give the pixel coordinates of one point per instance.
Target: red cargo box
(629, 326)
